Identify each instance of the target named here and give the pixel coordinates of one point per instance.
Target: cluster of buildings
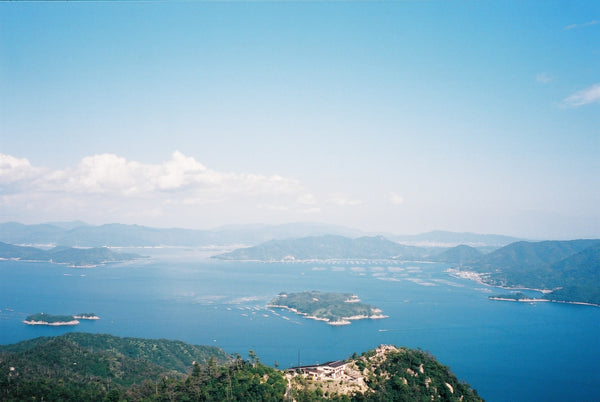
(334, 369)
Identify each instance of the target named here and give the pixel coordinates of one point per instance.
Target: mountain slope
(460, 254)
(571, 269)
(324, 247)
(529, 264)
(580, 277)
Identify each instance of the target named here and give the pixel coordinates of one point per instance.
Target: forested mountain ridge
(570, 268)
(102, 367)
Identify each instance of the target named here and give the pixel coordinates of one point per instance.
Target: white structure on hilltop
(333, 369)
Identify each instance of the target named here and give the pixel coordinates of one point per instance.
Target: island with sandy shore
(58, 320)
(333, 308)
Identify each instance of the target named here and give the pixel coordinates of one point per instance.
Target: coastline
(54, 324)
(518, 300)
(83, 317)
(342, 321)
(542, 300)
(479, 278)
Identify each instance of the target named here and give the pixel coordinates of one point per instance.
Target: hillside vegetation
(102, 367)
(571, 269)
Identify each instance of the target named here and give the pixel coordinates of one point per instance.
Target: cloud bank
(131, 190)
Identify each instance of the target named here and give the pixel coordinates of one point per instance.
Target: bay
(505, 350)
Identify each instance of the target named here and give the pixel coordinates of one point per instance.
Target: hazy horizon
(387, 117)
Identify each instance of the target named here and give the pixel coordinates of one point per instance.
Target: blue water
(505, 350)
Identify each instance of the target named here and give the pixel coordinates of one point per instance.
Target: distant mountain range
(65, 255)
(80, 234)
(440, 238)
(571, 269)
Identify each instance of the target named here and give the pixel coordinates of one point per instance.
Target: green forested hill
(326, 247)
(459, 254)
(580, 277)
(570, 267)
(168, 354)
(102, 367)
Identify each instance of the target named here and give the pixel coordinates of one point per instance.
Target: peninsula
(58, 320)
(333, 308)
(517, 297)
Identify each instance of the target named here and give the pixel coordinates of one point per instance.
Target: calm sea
(507, 351)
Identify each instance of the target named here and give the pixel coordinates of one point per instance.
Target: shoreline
(342, 321)
(53, 324)
(478, 277)
(543, 300)
(83, 317)
(518, 300)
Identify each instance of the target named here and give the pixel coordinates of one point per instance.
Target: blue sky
(400, 117)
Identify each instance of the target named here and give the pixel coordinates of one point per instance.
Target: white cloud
(112, 185)
(15, 173)
(396, 199)
(585, 24)
(583, 97)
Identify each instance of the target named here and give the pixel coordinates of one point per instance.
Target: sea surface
(507, 351)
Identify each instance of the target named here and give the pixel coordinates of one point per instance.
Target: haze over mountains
(65, 255)
(79, 234)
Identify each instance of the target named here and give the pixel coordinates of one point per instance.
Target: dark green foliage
(89, 367)
(81, 366)
(171, 355)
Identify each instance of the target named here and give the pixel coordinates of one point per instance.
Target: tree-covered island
(334, 308)
(58, 320)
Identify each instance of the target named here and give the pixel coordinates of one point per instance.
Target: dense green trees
(77, 367)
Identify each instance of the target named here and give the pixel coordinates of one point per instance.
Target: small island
(58, 320)
(333, 308)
